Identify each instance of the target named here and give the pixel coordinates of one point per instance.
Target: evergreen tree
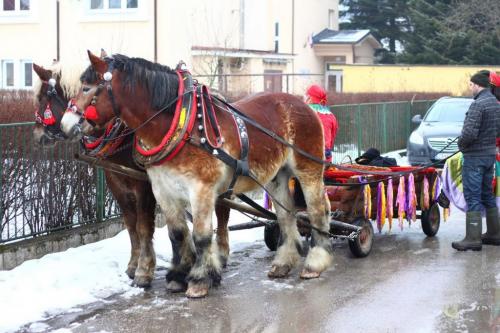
(386, 19)
(453, 32)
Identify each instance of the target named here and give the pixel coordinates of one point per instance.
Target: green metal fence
(385, 126)
(45, 190)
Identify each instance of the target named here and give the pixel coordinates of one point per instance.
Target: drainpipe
(293, 35)
(58, 55)
(242, 24)
(155, 32)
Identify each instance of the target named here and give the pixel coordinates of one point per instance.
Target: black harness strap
(240, 166)
(255, 205)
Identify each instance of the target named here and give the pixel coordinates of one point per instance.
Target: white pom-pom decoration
(107, 76)
(52, 82)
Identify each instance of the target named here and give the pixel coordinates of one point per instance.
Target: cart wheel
(272, 235)
(362, 245)
(430, 220)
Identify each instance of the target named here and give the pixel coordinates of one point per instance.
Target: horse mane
(69, 78)
(160, 82)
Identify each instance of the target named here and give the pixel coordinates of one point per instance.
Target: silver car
(442, 124)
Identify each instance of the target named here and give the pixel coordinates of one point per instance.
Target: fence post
(287, 77)
(358, 122)
(408, 118)
(100, 194)
(384, 127)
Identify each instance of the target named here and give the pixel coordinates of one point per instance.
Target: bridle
(90, 113)
(47, 119)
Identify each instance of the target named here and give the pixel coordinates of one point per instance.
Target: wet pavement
(409, 283)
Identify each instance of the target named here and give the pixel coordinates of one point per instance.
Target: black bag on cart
(372, 157)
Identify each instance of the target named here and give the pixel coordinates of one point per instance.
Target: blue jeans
(477, 177)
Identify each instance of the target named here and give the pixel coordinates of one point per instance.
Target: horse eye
(85, 90)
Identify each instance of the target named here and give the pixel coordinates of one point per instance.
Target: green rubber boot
(472, 240)
(492, 235)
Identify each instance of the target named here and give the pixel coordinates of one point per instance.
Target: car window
(448, 110)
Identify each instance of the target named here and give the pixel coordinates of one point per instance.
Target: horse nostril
(75, 131)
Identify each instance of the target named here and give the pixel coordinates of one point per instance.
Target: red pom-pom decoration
(90, 113)
(48, 117)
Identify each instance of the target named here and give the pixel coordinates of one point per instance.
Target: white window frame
(4, 73)
(107, 14)
(22, 80)
(18, 15)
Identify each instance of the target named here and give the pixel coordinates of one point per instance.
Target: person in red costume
(316, 98)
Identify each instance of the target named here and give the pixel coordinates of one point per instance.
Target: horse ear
(104, 54)
(43, 74)
(99, 64)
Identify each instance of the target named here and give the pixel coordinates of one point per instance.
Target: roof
(234, 52)
(328, 36)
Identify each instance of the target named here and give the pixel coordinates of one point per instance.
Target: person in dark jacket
(477, 143)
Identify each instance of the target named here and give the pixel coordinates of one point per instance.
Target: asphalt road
(409, 283)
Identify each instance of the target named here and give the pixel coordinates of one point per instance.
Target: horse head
(50, 102)
(87, 111)
(120, 87)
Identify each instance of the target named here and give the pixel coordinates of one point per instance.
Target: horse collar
(180, 128)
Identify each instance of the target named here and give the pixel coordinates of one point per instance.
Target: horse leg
(287, 254)
(129, 218)
(319, 257)
(183, 253)
(126, 200)
(222, 213)
(145, 226)
(206, 271)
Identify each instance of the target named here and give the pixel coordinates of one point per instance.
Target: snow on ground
(41, 288)
(59, 282)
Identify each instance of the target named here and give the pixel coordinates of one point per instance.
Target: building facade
(239, 45)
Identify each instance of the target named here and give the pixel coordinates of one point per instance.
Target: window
(26, 74)
(18, 11)
(16, 74)
(113, 4)
(114, 10)
(276, 37)
(7, 74)
(15, 5)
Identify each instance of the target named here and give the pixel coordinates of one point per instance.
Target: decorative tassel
(390, 202)
(367, 201)
(48, 117)
(436, 189)
(424, 196)
(268, 203)
(446, 213)
(401, 201)
(411, 209)
(90, 113)
(381, 206)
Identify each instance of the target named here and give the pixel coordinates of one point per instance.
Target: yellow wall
(379, 78)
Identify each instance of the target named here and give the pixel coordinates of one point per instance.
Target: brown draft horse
(138, 89)
(135, 197)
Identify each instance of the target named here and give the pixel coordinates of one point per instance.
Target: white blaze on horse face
(68, 122)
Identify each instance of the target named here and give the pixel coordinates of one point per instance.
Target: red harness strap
(178, 122)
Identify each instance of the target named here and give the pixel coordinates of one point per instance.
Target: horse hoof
(176, 287)
(223, 261)
(131, 272)
(142, 281)
(307, 274)
(197, 290)
(279, 271)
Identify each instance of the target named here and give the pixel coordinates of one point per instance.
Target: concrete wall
(401, 78)
(12, 255)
